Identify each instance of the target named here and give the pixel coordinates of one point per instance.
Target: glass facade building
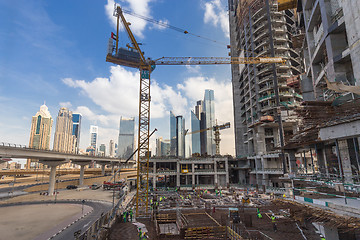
(209, 110)
(76, 130)
(93, 136)
(177, 135)
(180, 136)
(126, 137)
(195, 137)
(173, 144)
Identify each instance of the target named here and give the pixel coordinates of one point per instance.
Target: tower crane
(134, 57)
(216, 130)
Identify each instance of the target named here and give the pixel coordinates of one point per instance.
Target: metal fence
(100, 228)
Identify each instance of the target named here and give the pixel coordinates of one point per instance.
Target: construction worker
(140, 233)
(284, 196)
(125, 216)
(131, 214)
(322, 237)
(257, 210)
(259, 215)
(216, 192)
(273, 218)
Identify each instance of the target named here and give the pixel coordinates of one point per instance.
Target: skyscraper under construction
(262, 100)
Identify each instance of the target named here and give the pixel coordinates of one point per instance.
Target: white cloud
(118, 94)
(161, 24)
(193, 68)
(107, 120)
(140, 7)
(65, 104)
(216, 14)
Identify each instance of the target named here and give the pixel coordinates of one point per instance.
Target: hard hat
(321, 235)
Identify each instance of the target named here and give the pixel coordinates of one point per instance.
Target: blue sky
(55, 51)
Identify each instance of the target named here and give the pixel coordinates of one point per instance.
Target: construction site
(296, 170)
(234, 214)
(295, 174)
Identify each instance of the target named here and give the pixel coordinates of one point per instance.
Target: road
(86, 222)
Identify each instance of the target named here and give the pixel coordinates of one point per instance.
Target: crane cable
(166, 25)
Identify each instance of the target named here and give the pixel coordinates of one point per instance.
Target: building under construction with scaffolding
(330, 127)
(263, 101)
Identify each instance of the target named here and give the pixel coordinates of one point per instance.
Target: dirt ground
(28, 222)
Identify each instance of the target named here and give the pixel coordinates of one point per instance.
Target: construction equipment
(216, 130)
(234, 215)
(134, 57)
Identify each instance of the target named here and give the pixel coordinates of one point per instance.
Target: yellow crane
(134, 57)
(216, 130)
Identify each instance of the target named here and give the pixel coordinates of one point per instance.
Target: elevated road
(53, 159)
(19, 151)
(58, 171)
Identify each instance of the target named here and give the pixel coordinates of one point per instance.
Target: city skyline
(88, 85)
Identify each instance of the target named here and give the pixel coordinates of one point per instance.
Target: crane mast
(134, 57)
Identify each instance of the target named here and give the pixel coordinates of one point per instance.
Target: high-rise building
(260, 90)
(180, 136)
(93, 136)
(162, 147)
(173, 145)
(126, 137)
(63, 138)
(204, 117)
(209, 110)
(195, 137)
(90, 151)
(112, 148)
(76, 130)
(177, 135)
(102, 150)
(40, 133)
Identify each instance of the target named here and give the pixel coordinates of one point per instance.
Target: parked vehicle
(71, 187)
(95, 186)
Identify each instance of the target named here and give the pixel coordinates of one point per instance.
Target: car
(95, 186)
(71, 187)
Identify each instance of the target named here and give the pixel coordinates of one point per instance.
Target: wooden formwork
(218, 232)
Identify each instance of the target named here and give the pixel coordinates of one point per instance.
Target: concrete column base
(52, 180)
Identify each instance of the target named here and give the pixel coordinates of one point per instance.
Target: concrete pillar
(154, 181)
(52, 165)
(305, 162)
(178, 174)
(52, 180)
(82, 170)
(325, 162)
(263, 182)
(112, 169)
(227, 172)
(345, 160)
(103, 169)
(292, 162)
(193, 174)
(216, 181)
(81, 179)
